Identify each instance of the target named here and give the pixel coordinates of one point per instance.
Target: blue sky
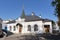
(12, 9)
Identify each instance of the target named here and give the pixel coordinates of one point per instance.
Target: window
(10, 28)
(29, 27)
(35, 27)
(14, 28)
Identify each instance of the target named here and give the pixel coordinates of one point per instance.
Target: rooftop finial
(40, 15)
(33, 13)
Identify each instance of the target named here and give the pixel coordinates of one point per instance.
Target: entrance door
(20, 27)
(47, 28)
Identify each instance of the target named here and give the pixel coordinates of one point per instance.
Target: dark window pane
(35, 27)
(14, 28)
(29, 27)
(10, 28)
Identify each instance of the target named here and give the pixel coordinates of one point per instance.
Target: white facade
(25, 26)
(56, 27)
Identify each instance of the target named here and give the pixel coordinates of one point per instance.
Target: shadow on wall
(8, 33)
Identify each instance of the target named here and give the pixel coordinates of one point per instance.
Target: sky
(12, 9)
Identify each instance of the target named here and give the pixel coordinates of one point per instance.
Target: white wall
(57, 27)
(39, 23)
(12, 26)
(25, 27)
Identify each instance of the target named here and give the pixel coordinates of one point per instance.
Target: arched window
(14, 28)
(29, 27)
(18, 24)
(35, 27)
(10, 28)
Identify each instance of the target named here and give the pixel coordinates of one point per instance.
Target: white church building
(28, 24)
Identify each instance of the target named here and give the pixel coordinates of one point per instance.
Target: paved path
(2, 38)
(22, 37)
(12, 37)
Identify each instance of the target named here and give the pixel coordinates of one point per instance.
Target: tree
(56, 4)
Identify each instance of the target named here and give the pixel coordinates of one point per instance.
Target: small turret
(33, 13)
(40, 16)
